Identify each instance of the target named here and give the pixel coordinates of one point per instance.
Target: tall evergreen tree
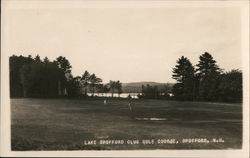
(37, 58)
(65, 67)
(184, 74)
(85, 81)
(63, 64)
(46, 60)
(208, 74)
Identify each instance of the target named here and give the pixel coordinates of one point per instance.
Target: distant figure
(130, 107)
(129, 97)
(105, 102)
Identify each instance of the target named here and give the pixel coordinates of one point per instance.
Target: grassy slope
(58, 124)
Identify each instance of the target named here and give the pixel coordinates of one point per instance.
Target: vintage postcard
(125, 78)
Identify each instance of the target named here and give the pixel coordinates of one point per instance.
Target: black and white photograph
(107, 76)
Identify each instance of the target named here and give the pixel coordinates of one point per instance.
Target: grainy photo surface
(124, 78)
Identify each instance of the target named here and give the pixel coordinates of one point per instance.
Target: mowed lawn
(66, 124)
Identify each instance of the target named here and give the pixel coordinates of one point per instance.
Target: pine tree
(208, 74)
(85, 81)
(37, 58)
(46, 60)
(184, 74)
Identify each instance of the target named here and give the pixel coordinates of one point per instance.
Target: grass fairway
(65, 124)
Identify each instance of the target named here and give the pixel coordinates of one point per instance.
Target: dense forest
(206, 81)
(33, 77)
(202, 82)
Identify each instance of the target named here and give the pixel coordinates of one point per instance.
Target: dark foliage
(42, 78)
(16, 63)
(208, 74)
(230, 86)
(36, 78)
(74, 86)
(150, 92)
(184, 74)
(207, 82)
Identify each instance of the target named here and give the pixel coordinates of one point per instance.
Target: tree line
(33, 77)
(155, 92)
(206, 81)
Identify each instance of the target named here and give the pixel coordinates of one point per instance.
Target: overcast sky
(126, 44)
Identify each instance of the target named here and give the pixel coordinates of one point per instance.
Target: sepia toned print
(88, 78)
